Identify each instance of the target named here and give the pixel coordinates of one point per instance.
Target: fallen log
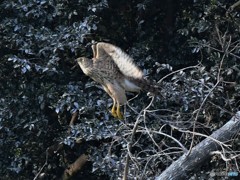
(187, 163)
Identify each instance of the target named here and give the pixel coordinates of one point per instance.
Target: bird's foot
(114, 113)
(119, 114)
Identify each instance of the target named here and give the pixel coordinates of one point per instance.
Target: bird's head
(84, 63)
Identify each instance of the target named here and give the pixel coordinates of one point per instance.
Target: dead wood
(75, 167)
(181, 168)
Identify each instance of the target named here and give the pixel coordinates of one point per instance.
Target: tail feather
(147, 85)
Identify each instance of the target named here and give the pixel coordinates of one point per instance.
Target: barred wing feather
(122, 60)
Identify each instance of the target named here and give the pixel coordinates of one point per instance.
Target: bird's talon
(113, 112)
(119, 114)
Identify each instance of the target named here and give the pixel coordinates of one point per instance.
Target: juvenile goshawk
(116, 72)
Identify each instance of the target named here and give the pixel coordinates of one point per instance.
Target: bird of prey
(116, 72)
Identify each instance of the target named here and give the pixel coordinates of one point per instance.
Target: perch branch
(125, 173)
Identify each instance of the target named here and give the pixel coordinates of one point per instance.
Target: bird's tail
(148, 86)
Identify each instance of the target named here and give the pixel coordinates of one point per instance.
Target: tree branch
(181, 168)
(75, 167)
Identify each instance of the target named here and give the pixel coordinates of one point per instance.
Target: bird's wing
(123, 61)
(94, 50)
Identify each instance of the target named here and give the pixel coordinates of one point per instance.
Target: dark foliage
(41, 87)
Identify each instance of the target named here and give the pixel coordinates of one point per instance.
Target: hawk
(116, 72)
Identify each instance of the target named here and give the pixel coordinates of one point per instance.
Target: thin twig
(166, 135)
(223, 156)
(203, 103)
(174, 72)
(45, 164)
(129, 146)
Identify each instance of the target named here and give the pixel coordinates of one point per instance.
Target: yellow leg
(119, 114)
(113, 111)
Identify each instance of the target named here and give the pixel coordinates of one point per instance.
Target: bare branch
(181, 168)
